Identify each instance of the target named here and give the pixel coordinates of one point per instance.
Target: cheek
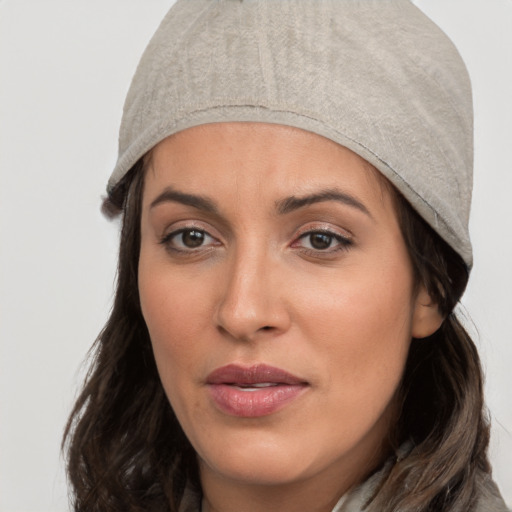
(174, 316)
(363, 325)
(178, 318)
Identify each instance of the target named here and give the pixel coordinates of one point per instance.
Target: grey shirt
(490, 499)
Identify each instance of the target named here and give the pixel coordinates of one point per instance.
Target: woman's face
(280, 301)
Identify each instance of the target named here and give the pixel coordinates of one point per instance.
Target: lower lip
(257, 402)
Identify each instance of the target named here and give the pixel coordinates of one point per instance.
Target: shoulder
(489, 498)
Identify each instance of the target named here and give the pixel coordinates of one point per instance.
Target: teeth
(257, 385)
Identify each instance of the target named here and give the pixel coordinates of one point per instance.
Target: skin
(258, 289)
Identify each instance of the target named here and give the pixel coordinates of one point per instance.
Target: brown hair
(126, 450)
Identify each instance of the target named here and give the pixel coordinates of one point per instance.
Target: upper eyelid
(333, 234)
(174, 232)
(190, 224)
(343, 236)
(323, 228)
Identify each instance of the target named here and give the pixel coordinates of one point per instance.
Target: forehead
(237, 159)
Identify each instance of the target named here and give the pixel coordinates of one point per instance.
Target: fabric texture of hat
(376, 76)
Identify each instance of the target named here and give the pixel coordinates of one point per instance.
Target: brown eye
(323, 242)
(320, 241)
(188, 239)
(192, 238)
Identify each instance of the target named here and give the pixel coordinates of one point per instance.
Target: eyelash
(167, 240)
(343, 243)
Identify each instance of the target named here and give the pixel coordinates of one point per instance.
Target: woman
(295, 180)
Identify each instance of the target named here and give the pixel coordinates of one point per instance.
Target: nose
(251, 303)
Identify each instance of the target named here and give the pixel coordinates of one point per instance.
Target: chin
(268, 469)
(266, 460)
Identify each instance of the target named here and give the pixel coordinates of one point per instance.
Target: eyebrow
(283, 206)
(196, 201)
(293, 203)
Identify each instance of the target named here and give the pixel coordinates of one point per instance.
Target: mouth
(255, 391)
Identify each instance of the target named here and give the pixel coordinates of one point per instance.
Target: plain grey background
(65, 67)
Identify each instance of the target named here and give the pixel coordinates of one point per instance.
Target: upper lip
(259, 373)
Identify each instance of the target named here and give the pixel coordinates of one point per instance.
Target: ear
(426, 318)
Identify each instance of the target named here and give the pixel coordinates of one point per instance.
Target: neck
(264, 499)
